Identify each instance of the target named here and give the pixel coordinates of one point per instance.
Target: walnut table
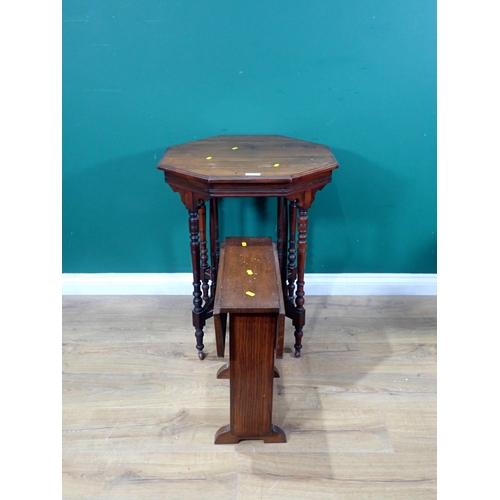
(288, 169)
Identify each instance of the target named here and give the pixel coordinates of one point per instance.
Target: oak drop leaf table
(290, 170)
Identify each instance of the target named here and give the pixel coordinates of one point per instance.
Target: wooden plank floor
(140, 411)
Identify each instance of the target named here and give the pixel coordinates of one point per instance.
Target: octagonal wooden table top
(247, 157)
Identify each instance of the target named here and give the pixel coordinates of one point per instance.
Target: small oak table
(249, 291)
(289, 169)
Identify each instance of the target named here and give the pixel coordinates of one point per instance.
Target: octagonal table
(248, 166)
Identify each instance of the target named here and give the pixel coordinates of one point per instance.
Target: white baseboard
(180, 284)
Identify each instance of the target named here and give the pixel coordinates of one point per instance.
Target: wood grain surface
(236, 156)
(248, 278)
(140, 410)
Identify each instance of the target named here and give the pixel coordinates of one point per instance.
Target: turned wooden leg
(300, 317)
(282, 239)
(198, 315)
(292, 265)
(219, 321)
(203, 250)
(281, 246)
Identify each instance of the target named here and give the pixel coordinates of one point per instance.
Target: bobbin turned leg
(282, 239)
(219, 321)
(204, 267)
(198, 313)
(300, 313)
(292, 257)
(282, 246)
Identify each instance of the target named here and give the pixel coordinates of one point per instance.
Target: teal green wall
(356, 75)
